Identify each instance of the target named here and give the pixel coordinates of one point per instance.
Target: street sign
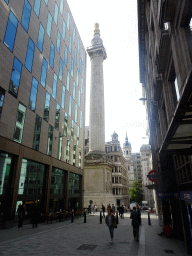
(153, 176)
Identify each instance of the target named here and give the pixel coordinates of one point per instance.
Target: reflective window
(72, 67)
(74, 155)
(75, 56)
(72, 130)
(73, 34)
(54, 89)
(66, 52)
(63, 98)
(46, 1)
(2, 96)
(79, 101)
(61, 6)
(33, 96)
(52, 53)
(80, 118)
(80, 157)
(74, 90)
(26, 15)
(82, 55)
(6, 1)
(37, 132)
(65, 124)
(15, 77)
(80, 67)
(82, 85)
(78, 45)
(37, 6)
(57, 115)
(68, 80)
(19, 123)
(49, 24)
(70, 44)
(40, 38)
(60, 146)
(67, 151)
(57, 182)
(77, 81)
(46, 109)
(58, 41)
(61, 69)
(50, 140)
(31, 178)
(74, 183)
(78, 135)
(5, 163)
(30, 55)
(70, 105)
(44, 72)
(75, 112)
(56, 13)
(11, 31)
(68, 21)
(64, 28)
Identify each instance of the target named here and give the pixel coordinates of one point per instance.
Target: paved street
(89, 238)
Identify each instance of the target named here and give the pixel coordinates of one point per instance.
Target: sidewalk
(78, 238)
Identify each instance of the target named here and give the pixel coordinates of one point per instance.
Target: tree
(135, 192)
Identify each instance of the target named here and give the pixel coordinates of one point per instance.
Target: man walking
(113, 208)
(135, 216)
(103, 209)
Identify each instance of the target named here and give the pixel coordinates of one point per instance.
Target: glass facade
(57, 115)
(11, 30)
(2, 96)
(46, 109)
(60, 146)
(54, 89)
(65, 124)
(31, 178)
(44, 72)
(72, 130)
(61, 69)
(63, 98)
(67, 151)
(37, 6)
(33, 96)
(19, 123)
(52, 53)
(50, 140)
(40, 38)
(15, 77)
(26, 15)
(56, 13)
(30, 55)
(58, 41)
(68, 80)
(74, 183)
(49, 24)
(5, 164)
(37, 132)
(57, 181)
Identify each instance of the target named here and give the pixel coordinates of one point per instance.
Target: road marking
(141, 251)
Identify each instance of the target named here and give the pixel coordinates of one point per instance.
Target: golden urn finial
(96, 30)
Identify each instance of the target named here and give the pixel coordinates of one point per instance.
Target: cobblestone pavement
(78, 238)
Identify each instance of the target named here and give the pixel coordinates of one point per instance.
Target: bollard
(84, 216)
(149, 220)
(117, 221)
(100, 218)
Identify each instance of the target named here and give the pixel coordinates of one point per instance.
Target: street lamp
(154, 102)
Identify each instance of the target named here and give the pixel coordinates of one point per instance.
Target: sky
(119, 32)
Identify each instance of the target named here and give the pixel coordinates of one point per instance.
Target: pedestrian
(119, 209)
(35, 215)
(94, 209)
(103, 209)
(111, 223)
(113, 208)
(109, 207)
(20, 216)
(89, 207)
(135, 216)
(122, 212)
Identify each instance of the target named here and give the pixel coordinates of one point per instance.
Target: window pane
(15, 77)
(70, 43)
(52, 53)
(58, 41)
(63, 98)
(46, 109)
(54, 90)
(68, 80)
(72, 67)
(68, 21)
(2, 96)
(70, 105)
(63, 34)
(11, 31)
(61, 6)
(26, 15)
(40, 38)
(33, 96)
(50, 140)
(49, 23)
(56, 13)
(36, 138)
(19, 123)
(74, 90)
(61, 69)
(30, 55)
(66, 51)
(44, 72)
(57, 117)
(37, 7)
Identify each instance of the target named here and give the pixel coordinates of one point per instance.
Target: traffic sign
(153, 176)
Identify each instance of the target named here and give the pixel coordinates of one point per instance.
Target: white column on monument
(97, 54)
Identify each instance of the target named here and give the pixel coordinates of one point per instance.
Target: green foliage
(135, 192)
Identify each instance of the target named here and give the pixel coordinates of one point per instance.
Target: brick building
(42, 107)
(165, 54)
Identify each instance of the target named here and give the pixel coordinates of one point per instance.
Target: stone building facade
(42, 107)
(120, 182)
(165, 55)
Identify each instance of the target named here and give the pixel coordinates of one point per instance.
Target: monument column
(97, 54)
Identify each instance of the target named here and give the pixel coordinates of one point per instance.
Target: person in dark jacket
(35, 215)
(103, 209)
(111, 222)
(135, 216)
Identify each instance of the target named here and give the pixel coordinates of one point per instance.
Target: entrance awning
(179, 134)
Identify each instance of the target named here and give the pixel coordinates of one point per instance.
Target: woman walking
(111, 223)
